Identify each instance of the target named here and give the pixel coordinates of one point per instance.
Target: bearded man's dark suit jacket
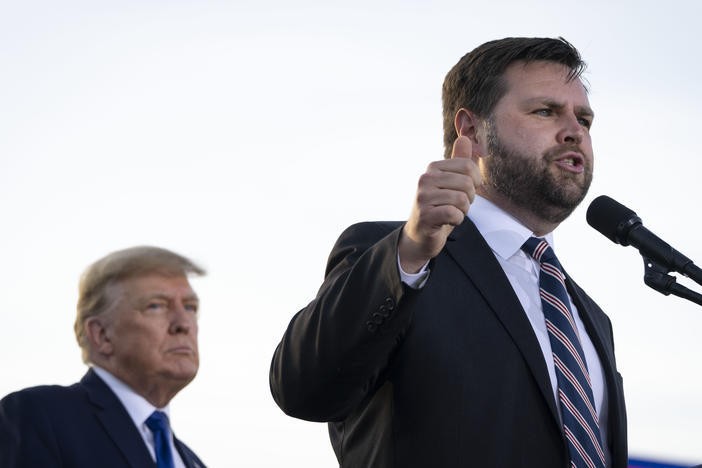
(81, 426)
(451, 375)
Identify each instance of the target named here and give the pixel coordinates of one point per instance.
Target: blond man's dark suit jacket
(81, 426)
(448, 376)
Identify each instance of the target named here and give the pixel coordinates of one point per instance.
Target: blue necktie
(580, 423)
(158, 423)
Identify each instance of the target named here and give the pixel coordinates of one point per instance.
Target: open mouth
(571, 161)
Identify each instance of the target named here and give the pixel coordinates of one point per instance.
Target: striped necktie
(580, 423)
(158, 423)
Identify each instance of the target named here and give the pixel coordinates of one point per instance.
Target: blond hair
(96, 281)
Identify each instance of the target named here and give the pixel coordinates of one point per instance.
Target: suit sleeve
(335, 352)
(26, 433)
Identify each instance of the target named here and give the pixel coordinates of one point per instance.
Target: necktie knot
(540, 251)
(158, 421)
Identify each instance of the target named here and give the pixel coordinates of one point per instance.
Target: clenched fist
(444, 194)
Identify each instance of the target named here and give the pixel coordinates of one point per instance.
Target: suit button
(389, 303)
(383, 311)
(377, 318)
(371, 326)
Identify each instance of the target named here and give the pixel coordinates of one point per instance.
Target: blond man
(137, 329)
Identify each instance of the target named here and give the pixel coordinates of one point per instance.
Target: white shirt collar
(504, 233)
(137, 406)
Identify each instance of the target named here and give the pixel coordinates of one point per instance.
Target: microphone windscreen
(610, 217)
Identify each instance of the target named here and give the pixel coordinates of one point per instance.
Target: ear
(96, 329)
(469, 125)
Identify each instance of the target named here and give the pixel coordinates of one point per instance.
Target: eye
(543, 112)
(156, 307)
(585, 122)
(191, 307)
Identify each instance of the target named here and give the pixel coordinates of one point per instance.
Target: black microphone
(622, 226)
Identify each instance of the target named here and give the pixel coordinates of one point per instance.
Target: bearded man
(456, 339)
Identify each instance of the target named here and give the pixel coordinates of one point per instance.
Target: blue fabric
(73, 427)
(577, 407)
(638, 463)
(158, 423)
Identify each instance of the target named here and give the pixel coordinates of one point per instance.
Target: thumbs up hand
(444, 194)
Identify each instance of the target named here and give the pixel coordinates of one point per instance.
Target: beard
(529, 183)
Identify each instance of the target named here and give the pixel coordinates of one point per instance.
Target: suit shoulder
(32, 410)
(372, 227)
(358, 238)
(35, 423)
(46, 391)
(369, 230)
(31, 399)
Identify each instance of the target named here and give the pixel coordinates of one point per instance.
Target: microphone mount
(622, 226)
(656, 277)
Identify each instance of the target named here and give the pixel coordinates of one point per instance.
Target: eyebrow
(584, 111)
(189, 298)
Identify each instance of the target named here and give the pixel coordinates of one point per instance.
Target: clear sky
(248, 134)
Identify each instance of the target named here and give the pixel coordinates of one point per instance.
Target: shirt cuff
(414, 280)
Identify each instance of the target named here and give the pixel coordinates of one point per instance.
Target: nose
(182, 320)
(571, 131)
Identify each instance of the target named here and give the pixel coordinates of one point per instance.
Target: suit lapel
(597, 335)
(468, 248)
(189, 461)
(605, 351)
(116, 422)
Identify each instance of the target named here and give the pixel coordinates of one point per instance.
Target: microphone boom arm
(656, 277)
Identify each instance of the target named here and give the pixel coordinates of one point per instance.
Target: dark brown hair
(476, 81)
